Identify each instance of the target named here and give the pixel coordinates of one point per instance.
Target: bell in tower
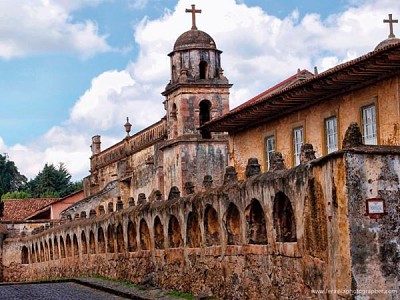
(198, 91)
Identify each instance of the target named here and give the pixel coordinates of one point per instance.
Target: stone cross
(391, 21)
(193, 10)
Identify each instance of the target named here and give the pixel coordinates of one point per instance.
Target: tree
(52, 181)
(10, 178)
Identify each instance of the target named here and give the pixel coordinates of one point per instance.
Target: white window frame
(269, 149)
(331, 134)
(368, 119)
(298, 140)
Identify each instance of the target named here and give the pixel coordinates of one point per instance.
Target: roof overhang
(365, 70)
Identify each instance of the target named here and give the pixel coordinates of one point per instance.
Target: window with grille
(297, 143)
(269, 149)
(331, 135)
(369, 125)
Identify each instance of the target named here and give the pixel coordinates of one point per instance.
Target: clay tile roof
(19, 209)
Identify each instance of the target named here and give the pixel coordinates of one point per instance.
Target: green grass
(181, 295)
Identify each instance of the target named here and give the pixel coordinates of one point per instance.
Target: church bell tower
(197, 92)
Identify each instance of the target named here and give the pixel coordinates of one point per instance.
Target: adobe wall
(276, 235)
(385, 94)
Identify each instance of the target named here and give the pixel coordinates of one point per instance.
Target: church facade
(163, 207)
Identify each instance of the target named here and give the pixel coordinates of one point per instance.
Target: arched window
(144, 235)
(174, 233)
(205, 116)
(212, 228)
(24, 255)
(232, 223)
(42, 255)
(132, 244)
(101, 241)
(33, 254)
(158, 234)
(284, 221)
(46, 251)
(110, 239)
(255, 220)
(84, 243)
(193, 233)
(120, 239)
(75, 244)
(203, 70)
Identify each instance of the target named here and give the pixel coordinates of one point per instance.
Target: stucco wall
(385, 95)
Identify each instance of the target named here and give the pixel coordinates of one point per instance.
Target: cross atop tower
(391, 21)
(194, 11)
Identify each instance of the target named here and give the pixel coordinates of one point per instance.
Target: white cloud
(36, 26)
(259, 51)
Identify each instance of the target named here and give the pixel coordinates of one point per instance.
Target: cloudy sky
(74, 69)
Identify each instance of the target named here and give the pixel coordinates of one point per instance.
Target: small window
(331, 135)
(297, 143)
(269, 149)
(369, 125)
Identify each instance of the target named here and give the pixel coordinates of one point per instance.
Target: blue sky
(71, 71)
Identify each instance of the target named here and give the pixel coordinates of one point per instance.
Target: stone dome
(387, 42)
(193, 39)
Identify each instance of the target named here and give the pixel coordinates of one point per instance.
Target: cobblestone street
(53, 291)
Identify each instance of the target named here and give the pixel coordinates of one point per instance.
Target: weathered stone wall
(276, 235)
(375, 244)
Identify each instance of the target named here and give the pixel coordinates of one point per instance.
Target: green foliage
(52, 181)
(10, 178)
(181, 295)
(16, 195)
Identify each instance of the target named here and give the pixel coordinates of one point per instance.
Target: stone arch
(37, 252)
(46, 251)
(62, 247)
(101, 241)
(84, 243)
(120, 239)
(75, 245)
(42, 255)
(51, 255)
(24, 255)
(92, 245)
(174, 233)
(203, 69)
(68, 246)
(205, 116)
(56, 249)
(193, 233)
(145, 243)
(256, 225)
(158, 234)
(110, 238)
(233, 225)
(132, 243)
(284, 220)
(33, 253)
(212, 228)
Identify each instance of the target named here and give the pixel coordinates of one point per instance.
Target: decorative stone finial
(92, 213)
(141, 198)
(76, 216)
(253, 167)
(120, 204)
(352, 137)
(207, 182)
(110, 207)
(307, 153)
(102, 211)
(230, 175)
(131, 202)
(174, 193)
(83, 214)
(189, 188)
(128, 127)
(276, 162)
